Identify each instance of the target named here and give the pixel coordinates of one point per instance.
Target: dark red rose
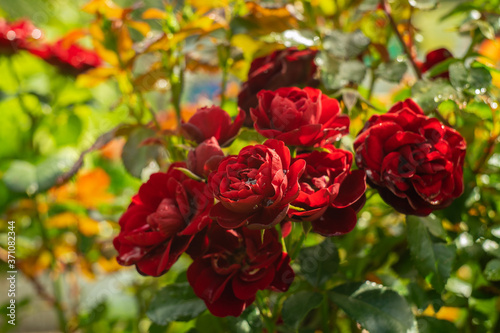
(299, 117)
(68, 57)
(205, 158)
(282, 68)
(162, 220)
(415, 162)
(328, 183)
(435, 57)
(213, 121)
(237, 264)
(256, 187)
(17, 35)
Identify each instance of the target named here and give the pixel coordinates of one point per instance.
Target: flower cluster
(224, 214)
(64, 54)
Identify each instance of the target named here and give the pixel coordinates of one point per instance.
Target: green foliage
(378, 309)
(175, 302)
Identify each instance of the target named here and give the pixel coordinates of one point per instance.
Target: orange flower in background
(445, 313)
(113, 149)
(490, 52)
(168, 121)
(89, 189)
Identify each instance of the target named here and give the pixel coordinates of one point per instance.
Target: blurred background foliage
(73, 153)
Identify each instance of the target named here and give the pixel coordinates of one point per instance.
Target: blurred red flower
(17, 35)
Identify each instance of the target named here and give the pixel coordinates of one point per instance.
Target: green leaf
(433, 325)
(337, 73)
(248, 322)
(345, 46)
(21, 177)
(392, 71)
(155, 328)
(24, 177)
(434, 225)
(474, 80)
(378, 309)
(486, 29)
(175, 302)
(492, 270)
(428, 94)
(68, 129)
(432, 260)
(297, 306)
(318, 263)
(135, 156)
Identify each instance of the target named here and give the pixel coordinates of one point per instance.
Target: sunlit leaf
(104, 7)
(154, 14)
(95, 76)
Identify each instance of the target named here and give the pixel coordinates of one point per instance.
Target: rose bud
(255, 187)
(299, 117)
(210, 122)
(435, 57)
(205, 158)
(238, 263)
(162, 220)
(282, 68)
(415, 162)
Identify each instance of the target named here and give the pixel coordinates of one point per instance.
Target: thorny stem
(387, 10)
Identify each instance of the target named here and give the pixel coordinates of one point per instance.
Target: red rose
(68, 57)
(255, 187)
(205, 158)
(237, 264)
(414, 161)
(282, 68)
(435, 57)
(162, 220)
(213, 121)
(299, 117)
(327, 182)
(17, 35)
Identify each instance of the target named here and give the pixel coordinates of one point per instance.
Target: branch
(98, 144)
(387, 9)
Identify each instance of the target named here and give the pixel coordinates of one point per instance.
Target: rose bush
(161, 221)
(282, 68)
(255, 187)
(415, 162)
(238, 263)
(299, 117)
